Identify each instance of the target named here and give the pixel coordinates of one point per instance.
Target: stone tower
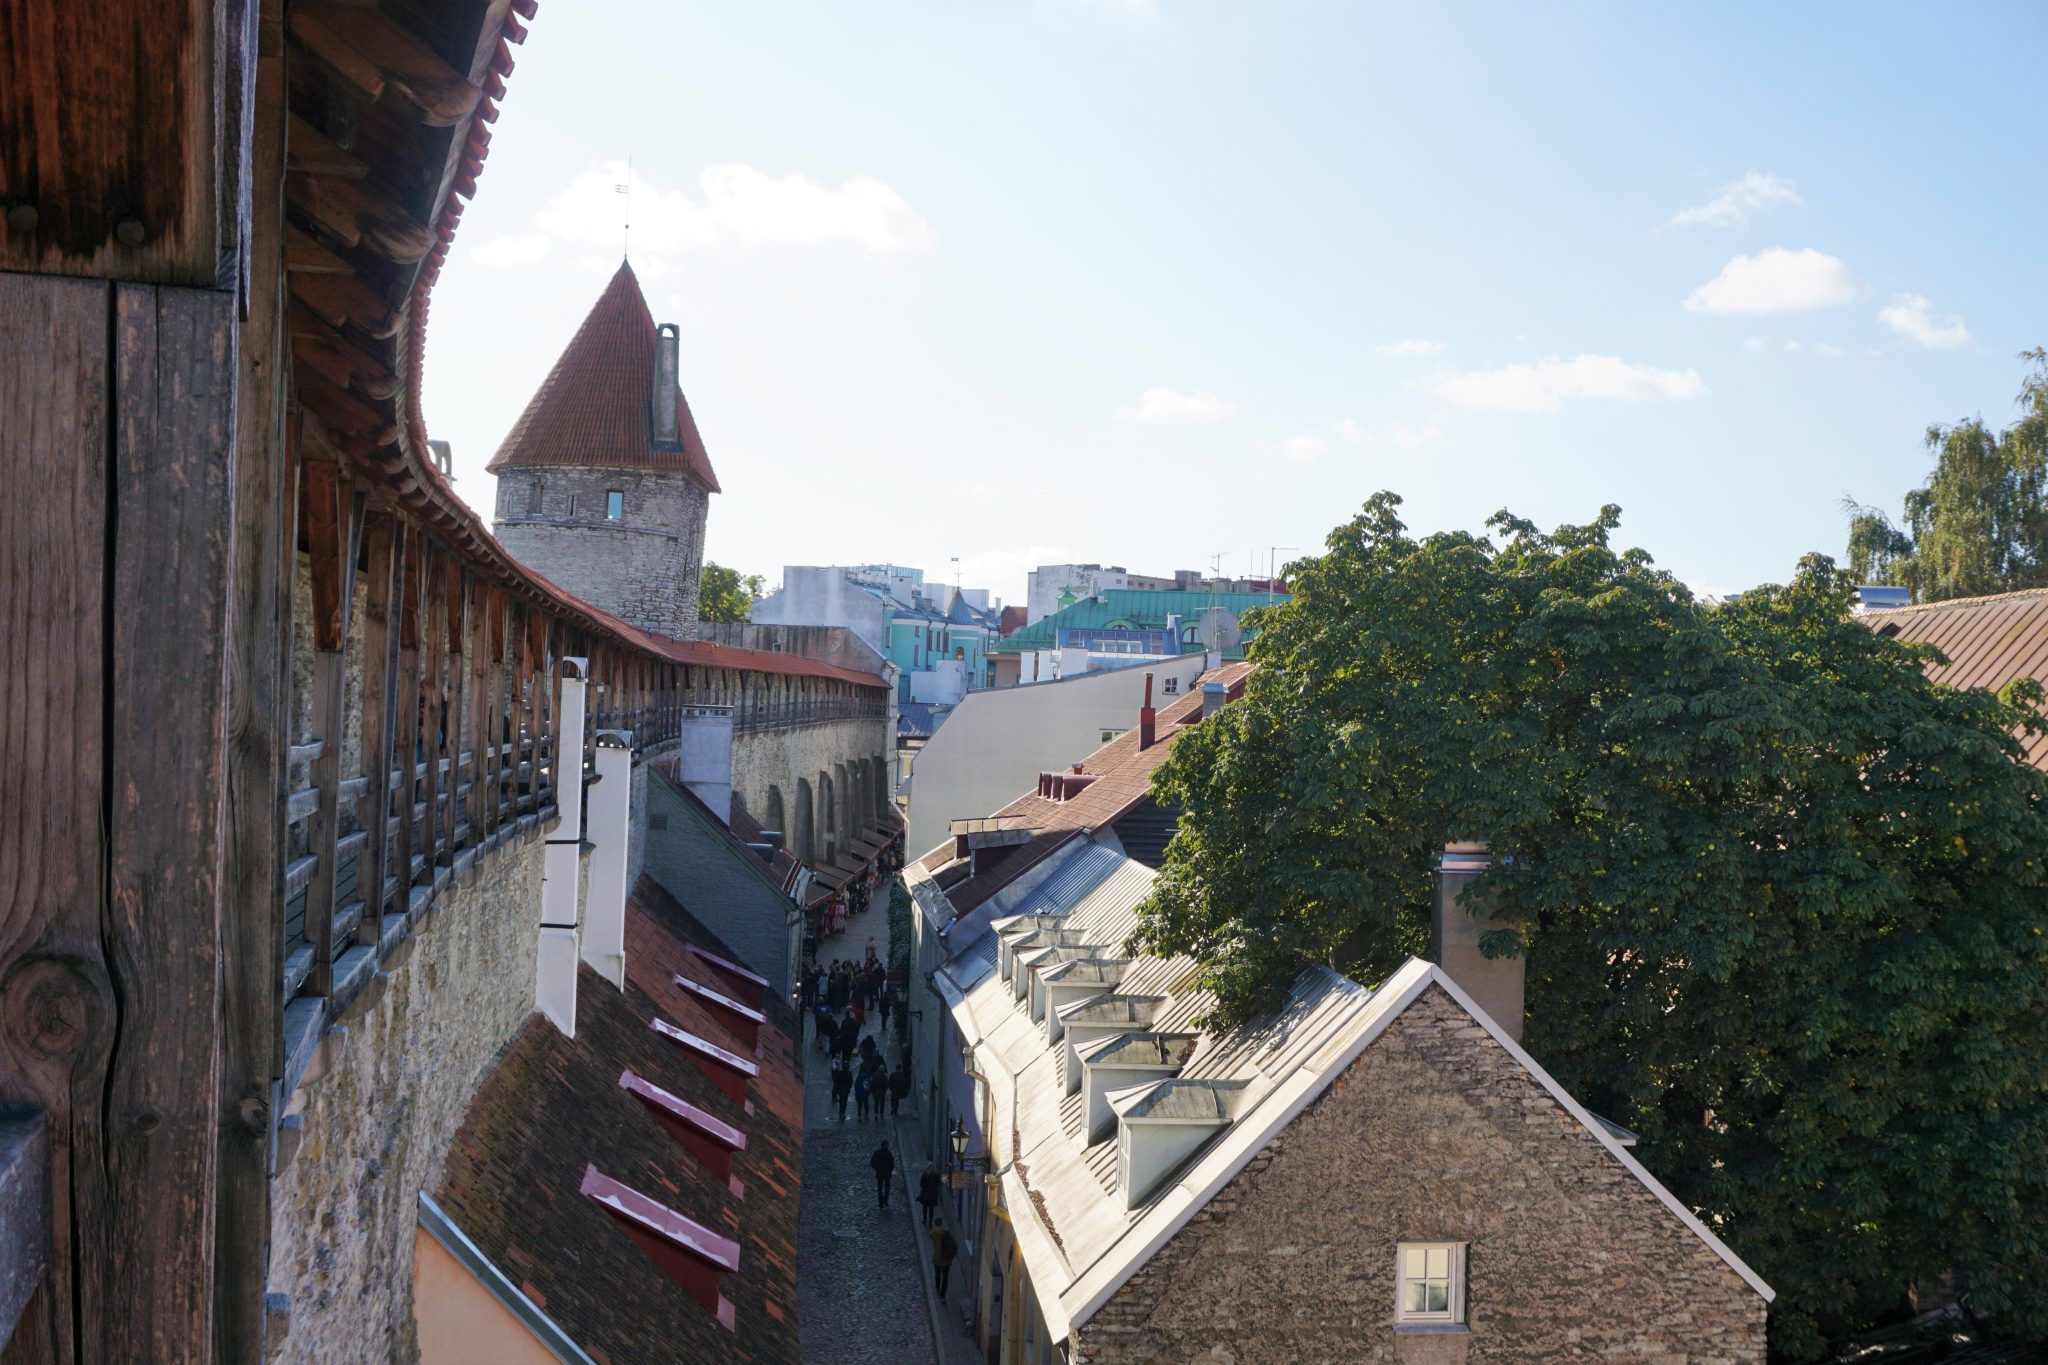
(603, 483)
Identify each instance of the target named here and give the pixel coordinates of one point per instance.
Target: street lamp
(958, 1138)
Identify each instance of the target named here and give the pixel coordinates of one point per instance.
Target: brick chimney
(1494, 983)
(663, 415)
(1147, 718)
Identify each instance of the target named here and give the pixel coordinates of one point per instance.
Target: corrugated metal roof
(1989, 641)
(1143, 608)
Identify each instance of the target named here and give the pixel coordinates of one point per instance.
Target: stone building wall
(778, 758)
(379, 1109)
(1434, 1134)
(644, 567)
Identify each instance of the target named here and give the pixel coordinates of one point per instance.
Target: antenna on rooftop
(626, 188)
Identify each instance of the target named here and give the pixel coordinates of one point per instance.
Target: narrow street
(861, 1290)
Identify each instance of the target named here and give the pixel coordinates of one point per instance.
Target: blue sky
(1128, 282)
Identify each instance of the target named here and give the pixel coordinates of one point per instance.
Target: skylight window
(709, 1138)
(729, 1071)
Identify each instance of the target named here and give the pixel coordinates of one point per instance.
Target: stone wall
(380, 1106)
(777, 758)
(1434, 1134)
(644, 567)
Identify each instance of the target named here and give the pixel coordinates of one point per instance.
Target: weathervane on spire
(625, 187)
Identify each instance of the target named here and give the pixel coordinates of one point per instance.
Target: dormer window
(614, 505)
(688, 1252)
(744, 1021)
(729, 1071)
(709, 1138)
(1430, 1288)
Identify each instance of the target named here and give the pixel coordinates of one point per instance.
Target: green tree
(724, 595)
(1781, 896)
(1980, 522)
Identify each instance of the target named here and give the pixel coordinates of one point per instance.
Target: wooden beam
(54, 441)
(175, 372)
(312, 152)
(384, 62)
(258, 684)
(407, 714)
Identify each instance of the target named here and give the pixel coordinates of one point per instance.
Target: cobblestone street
(860, 1290)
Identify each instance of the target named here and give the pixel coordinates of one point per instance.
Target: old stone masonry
(861, 1297)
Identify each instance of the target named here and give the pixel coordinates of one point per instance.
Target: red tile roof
(1123, 777)
(553, 1107)
(1989, 641)
(594, 406)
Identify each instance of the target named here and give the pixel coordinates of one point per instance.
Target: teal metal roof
(1145, 609)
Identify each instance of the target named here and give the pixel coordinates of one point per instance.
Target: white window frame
(1452, 1315)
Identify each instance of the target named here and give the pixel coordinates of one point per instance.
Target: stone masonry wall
(380, 1108)
(778, 757)
(644, 567)
(1434, 1134)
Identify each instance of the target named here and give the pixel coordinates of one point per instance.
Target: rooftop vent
(1118, 1061)
(1882, 597)
(710, 1139)
(745, 1023)
(728, 1071)
(1162, 1125)
(688, 1252)
(1214, 694)
(740, 984)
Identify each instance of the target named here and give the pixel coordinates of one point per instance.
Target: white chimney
(610, 832)
(1494, 983)
(561, 862)
(704, 758)
(1214, 694)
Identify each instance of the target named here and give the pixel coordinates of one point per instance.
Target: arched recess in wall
(772, 816)
(803, 839)
(880, 768)
(849, 829)
(828, 822)
(863, 797)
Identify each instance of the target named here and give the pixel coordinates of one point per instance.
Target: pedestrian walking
(884, 1163)
(944, 1248)
(871, 947)
(842, 1086)
(863, 1088)
(826, 1030)
(899, 1089)
(928, 1191)
(858, 1015)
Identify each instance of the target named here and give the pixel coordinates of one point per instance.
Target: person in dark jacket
(899, 1089)
(863, 1091)
(884, 1164)
(944, 1248)
(928, 1191)
(842, 1086)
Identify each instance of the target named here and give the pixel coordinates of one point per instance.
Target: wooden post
(457, 609)
(434, 645)
(380, 681)
(408, 714)
(252, 910)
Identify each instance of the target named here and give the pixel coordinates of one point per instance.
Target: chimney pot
(1148, 719)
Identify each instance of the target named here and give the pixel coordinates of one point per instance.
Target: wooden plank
(406, 716)
(459, 609)
(433, 716)
(380, 682)
(252, 910)
(120, 169)
(53, 522)
(170, 611)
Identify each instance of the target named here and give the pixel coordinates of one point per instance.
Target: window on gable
(614, 505)
(1172, 686)
(1430, 1284)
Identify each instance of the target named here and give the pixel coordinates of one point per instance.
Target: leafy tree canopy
(1980, 522)
(1781, 896)
(724, 595)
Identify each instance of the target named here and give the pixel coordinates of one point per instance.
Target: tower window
(533, 499)
(614, 505)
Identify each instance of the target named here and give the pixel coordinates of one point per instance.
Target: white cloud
(1912, 316)
(1776, 281)
(1411, 346)
(737, 205)
(1408, 438)
(1172, 408)
(1732, 206)
(1349, 430)
(1752, 343)
(512, 250)
(1301, 449)
(1543, 386)
(1792, 346)
(1829, 349)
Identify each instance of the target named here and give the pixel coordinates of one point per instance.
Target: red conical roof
(595, 406)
